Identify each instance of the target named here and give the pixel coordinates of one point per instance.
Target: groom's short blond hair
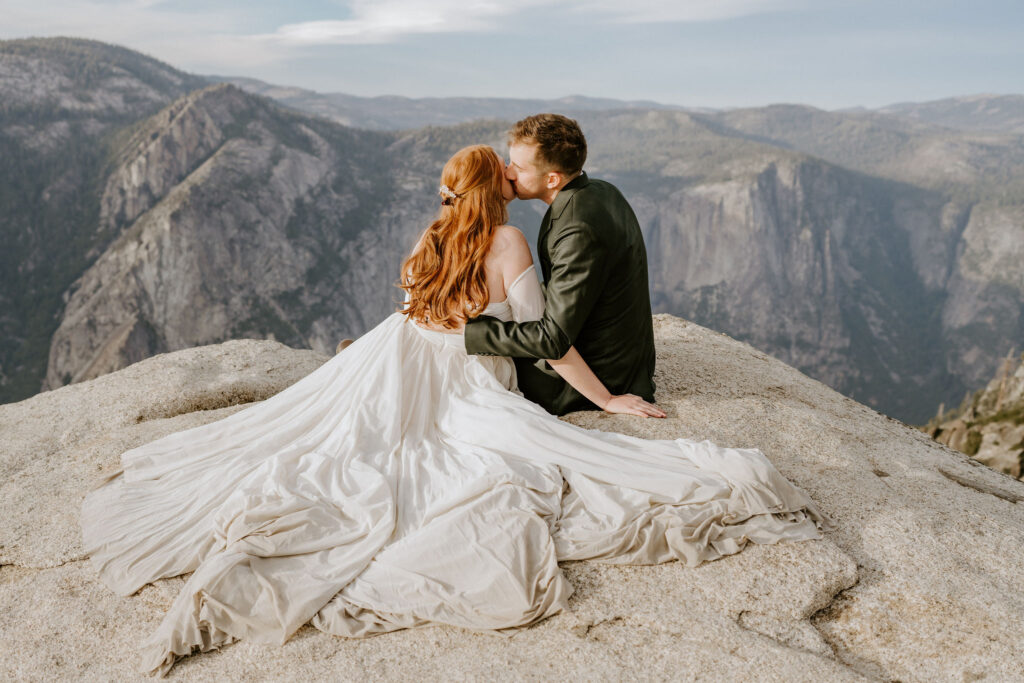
(560, 143)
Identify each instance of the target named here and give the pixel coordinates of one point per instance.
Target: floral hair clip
(448, 195)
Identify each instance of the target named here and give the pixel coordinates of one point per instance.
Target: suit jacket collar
(565, 194)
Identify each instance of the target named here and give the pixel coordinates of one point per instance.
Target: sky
(699, 53)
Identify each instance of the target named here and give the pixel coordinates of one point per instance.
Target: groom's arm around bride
(594, 264)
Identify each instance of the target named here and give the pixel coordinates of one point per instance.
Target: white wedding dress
(403, 483)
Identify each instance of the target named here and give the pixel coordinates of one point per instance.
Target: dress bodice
(523, 301)
(498, 309)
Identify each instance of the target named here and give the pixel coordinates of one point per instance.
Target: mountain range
(994, 113)
(999, 113)
(391, 112)
(144, 210)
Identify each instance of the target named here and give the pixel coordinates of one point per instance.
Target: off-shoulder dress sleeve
(525, 297)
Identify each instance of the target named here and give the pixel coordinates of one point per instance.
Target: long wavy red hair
(444, 275)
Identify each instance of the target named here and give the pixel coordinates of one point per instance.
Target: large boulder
(919, 581)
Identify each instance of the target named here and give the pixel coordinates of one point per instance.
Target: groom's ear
(554, 178)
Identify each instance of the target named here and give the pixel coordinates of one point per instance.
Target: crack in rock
(206, 403)
(992, 490)
(792, 634)
(805, 635)
(583, 629)
(831, 612)
(24, 570)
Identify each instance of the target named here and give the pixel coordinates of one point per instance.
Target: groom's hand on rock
(631, 404)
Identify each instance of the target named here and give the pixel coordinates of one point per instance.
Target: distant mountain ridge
(998, 113)
(991, 113)
(392, 112)
(877, 254)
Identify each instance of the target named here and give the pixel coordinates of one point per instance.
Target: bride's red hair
(444, 275)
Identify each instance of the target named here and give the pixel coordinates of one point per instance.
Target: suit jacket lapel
(554, 212)
(542, 245)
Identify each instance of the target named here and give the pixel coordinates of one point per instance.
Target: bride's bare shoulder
(510, 254)
(509, 241)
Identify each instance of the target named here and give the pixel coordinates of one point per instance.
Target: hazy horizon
(953, 96)
(703, 53)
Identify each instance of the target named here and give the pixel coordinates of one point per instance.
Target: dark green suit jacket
(596, 296)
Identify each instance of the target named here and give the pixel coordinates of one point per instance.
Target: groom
(594, 264)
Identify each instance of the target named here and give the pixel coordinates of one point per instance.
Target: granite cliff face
(202, 197)
(985, 306)
(919, 581)
(64, 104)
(951, 202)
(807, 260)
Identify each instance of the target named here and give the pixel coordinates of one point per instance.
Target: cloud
(384, 21)
(201, 36)
(656, 11)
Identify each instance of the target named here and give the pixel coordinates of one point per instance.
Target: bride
(405, 483)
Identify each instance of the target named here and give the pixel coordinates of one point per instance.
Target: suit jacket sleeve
(578, 273)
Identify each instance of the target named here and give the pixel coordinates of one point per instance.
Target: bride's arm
(526, 300)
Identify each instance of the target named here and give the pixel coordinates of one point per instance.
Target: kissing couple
(421, 475)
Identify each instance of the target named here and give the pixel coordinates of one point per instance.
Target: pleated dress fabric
(405, 483)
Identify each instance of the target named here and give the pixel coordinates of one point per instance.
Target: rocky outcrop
(989, 426)
(918, 581)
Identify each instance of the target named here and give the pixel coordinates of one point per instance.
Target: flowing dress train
(403, 483)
